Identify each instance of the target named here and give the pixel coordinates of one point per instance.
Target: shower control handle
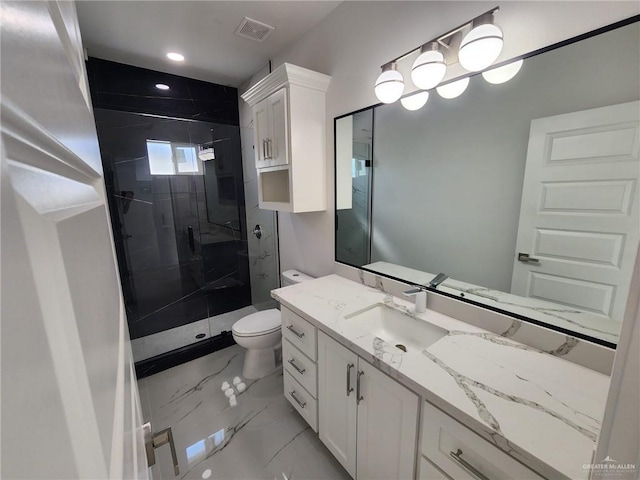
(295, 332)
(257, 231)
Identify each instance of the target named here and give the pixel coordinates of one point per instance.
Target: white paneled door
(580, 218)
(70, 405)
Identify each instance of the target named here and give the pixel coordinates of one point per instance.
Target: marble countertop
(543, 410)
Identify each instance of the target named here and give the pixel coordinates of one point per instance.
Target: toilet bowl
(260, 334)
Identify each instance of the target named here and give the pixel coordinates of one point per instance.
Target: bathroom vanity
(395, 394)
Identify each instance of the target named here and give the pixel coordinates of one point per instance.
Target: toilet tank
(291, 277)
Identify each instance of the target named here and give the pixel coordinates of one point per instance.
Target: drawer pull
(295, 332)
(300, 370)
(293, 395)
(349, 387)
(457, 456)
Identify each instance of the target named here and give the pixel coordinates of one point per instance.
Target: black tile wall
(127, 88)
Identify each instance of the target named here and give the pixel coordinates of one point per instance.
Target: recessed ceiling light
(176, 57)
(162, 86)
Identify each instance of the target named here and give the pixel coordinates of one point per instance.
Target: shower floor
(172, 339)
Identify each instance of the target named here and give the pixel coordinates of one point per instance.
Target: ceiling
(141, 33)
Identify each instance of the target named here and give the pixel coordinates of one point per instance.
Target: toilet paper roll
(229, 392)
(225, 386)
(232, 401)
(241, 387)
(237, 380)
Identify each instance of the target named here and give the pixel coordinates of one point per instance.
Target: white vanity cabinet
(299, 362)
(366, 419)
(290, 139)
(451, 450)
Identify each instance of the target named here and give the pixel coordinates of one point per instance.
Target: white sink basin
(394, 327)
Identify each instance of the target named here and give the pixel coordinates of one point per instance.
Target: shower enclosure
(176, 193)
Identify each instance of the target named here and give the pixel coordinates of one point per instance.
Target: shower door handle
(192, 241)
(156, 440)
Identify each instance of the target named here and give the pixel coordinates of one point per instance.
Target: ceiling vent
(253, 29)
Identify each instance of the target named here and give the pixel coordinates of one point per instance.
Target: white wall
(448, 178)
(356, 38)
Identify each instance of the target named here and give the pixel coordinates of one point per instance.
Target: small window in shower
(166, 158)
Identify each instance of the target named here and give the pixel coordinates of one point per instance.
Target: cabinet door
(279, 136)
(387, 426)
(336, 405)
(261, 132)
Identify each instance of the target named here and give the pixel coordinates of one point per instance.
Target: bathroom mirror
(524, 193)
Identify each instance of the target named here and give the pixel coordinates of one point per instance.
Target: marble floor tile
(262, 437)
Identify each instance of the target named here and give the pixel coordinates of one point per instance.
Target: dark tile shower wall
(116, 86)
(180, 239)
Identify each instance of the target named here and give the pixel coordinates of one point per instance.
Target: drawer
(301, 400)
(300, 367)
(299, 332)
(461, 453)
(428, 471)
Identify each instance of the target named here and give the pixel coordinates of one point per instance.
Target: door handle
(192, 240)
(359, 397)
(524, 257)
(264, 148)
(349, 387)
(270, 143)
(156, 440)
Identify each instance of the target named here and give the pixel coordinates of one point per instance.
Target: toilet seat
(258, 324)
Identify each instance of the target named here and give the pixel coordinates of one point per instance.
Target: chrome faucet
(437, 280)
(421, 298)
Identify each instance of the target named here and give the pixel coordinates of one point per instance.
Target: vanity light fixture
(176, 57)
(415, 101)
(504, 73)
(390, 84)
(482, 45)
(162, 86)
(453, 89)
(475, 44)
(429, 68)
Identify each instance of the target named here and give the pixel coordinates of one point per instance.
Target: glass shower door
(179, 227)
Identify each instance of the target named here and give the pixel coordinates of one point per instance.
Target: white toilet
(260, 334)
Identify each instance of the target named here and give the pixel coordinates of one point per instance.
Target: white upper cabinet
(289, 139)
(270, 130)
